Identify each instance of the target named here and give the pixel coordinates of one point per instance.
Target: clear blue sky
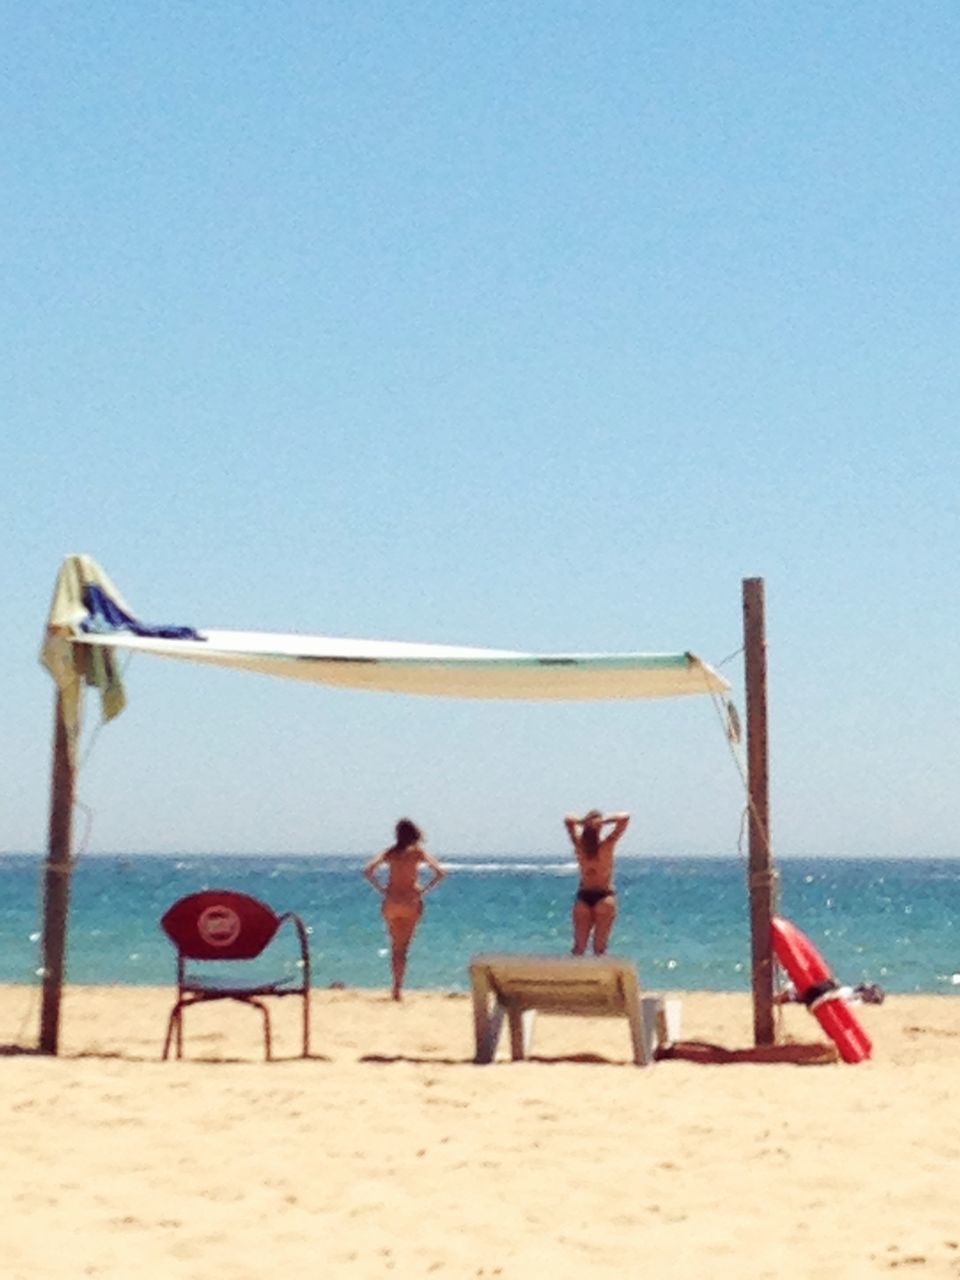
(537, 326)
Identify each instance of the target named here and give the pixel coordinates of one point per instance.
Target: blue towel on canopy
(105, 615)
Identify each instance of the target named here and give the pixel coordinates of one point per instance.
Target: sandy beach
(390, 1154)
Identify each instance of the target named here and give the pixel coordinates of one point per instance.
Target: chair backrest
(220, 924)
(594, 987)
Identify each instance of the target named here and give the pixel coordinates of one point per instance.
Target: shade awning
(89, 613)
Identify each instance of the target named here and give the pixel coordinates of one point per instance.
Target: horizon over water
(683, 919)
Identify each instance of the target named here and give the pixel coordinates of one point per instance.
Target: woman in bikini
(595, 906)
(403, 893)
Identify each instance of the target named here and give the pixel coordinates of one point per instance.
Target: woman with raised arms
(595, 906)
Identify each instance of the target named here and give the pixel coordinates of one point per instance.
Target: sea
(683, 920)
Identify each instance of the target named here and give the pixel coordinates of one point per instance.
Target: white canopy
(88, 613)
(395, 667)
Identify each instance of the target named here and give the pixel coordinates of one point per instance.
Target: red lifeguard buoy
(818, 990)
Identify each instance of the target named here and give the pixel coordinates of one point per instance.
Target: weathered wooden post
(762, 874)
(56, 893)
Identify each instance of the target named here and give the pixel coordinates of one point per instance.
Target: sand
(390, 1155)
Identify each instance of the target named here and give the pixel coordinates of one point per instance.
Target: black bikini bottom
(592, 896)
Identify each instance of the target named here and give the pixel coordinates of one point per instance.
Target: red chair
(219, 924)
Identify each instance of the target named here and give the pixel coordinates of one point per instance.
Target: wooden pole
(56, 896)
(762, 873)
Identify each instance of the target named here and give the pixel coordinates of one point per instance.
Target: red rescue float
(818, 990)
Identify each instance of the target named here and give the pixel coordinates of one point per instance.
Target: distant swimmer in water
(403, 893)
(595, 906)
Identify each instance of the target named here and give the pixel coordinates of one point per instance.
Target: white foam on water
(537, 868)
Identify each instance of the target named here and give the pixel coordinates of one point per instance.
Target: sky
(530, 326)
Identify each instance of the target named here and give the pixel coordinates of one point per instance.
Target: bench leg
(521, 1032)
(487, 1020)
(651, 1017)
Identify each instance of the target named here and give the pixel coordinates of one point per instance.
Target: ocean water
(683, 920)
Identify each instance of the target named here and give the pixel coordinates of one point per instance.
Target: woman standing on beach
(403, 894)
(595, 906)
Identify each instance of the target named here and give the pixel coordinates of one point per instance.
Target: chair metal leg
(306, 1024)
(174, 1031)
(166, 1043)
(268, 1043)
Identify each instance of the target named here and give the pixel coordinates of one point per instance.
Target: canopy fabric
(89, 615)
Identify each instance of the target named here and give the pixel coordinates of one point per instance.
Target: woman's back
(402, 863)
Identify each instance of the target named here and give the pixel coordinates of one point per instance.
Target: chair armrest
(304, 942)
